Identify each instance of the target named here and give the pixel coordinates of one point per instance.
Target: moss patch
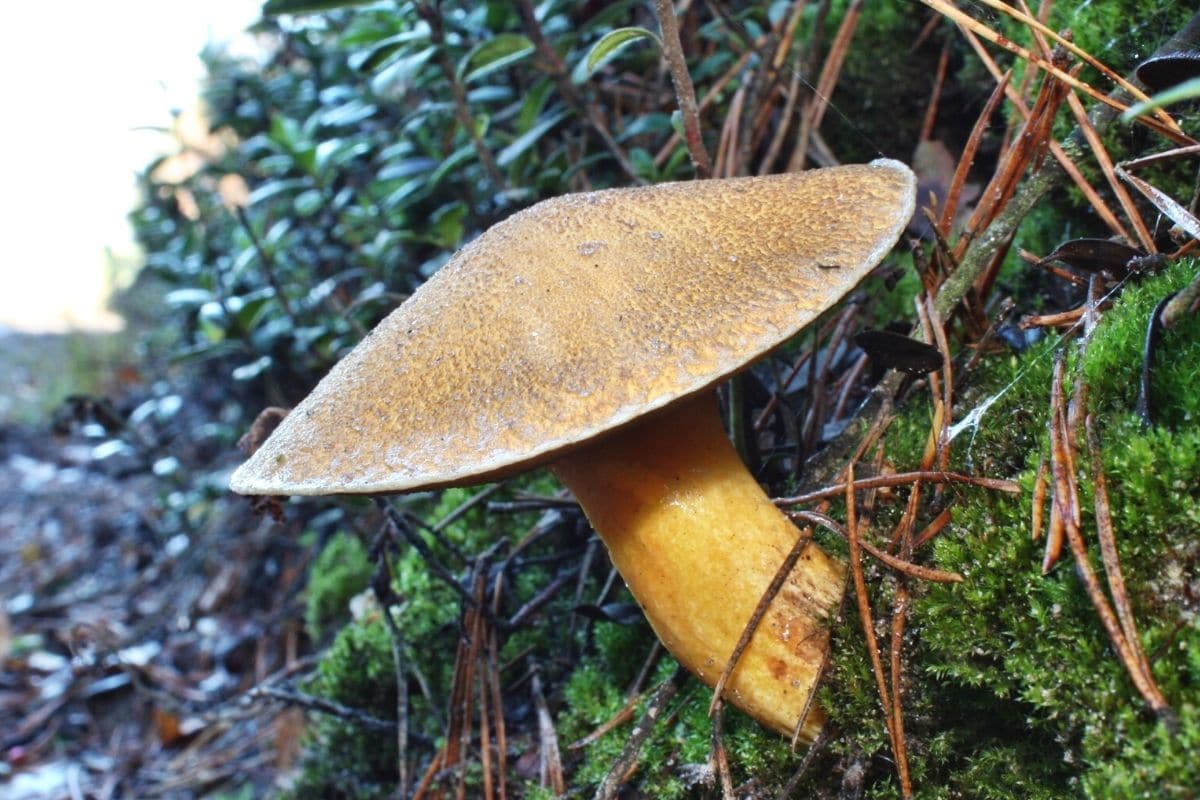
(339, 573)
(1014, 685)
(673, 763)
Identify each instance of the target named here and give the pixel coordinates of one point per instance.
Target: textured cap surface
(577, 315)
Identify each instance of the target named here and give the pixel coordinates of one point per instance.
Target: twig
(1055, 534)
(760, 610)
(895, 562)
(868, 624)
(323, 705)
(720, 757)
(435, 565)
(549, 760)
(1066, 500)
(620, 718)
(558, 73)
(901, 479)
(492, 666)
(950, 207)
(1106, 169)
(625, 762)
(684, 91)
(714, 92)
(935, 330)
(931, 530)
(545, 595)
(814, 111)
(437, 34)
(896, 642)
(1112, 565)
(939, 80)
(465, 506)
(793, 90)
(786, 381)
(805, 763)
(466, 659)
(1038, 504)
(268, 265)
(633, 694)
(1059, 319)
(382, 586)
(1026, 150)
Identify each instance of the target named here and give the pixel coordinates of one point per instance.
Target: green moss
(1114, 357)
(1121, 32)
(877, 78)
(342, 759)
(1029, 647)
(674, 756)
(338, 573)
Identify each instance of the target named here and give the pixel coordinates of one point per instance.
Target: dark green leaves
(609, 46)
(273, 7)
(492, 55)
(528, 139)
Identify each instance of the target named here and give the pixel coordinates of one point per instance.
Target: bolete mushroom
(587, 333)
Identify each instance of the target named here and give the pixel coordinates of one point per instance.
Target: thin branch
(814, 111)
(719, 756)
(549, 760)
(884, 557)
(1112, 563)
(1106, 169)
(558, 73)
(382, 585)
(545, 595)
(322, 705)
(805, 763)
(684, 91)
(268, 265)
(896, 642)
(434, 564)
(462, 113)
(901, 479)
(760, 610)
(864, 611)
(627, 760)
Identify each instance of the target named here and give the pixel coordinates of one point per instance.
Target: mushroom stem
(698, 541)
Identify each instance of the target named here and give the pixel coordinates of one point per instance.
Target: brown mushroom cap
(576, 316)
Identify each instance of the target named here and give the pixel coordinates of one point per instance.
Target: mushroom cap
(576, 316)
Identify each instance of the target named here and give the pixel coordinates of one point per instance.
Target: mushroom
(587, 333)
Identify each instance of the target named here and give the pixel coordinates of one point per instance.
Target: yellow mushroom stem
(698, 541)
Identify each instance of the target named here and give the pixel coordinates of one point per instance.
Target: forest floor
(128, 636)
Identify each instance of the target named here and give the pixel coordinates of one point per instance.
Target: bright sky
(78, 79)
